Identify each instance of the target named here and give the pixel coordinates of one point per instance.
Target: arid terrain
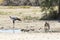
(29, 16)
(29, 36)
(27, 23)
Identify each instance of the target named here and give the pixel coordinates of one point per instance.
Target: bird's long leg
(13, 26)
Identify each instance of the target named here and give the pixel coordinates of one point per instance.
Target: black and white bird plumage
(15, 18)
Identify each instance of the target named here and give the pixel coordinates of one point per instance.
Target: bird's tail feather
(19, 19)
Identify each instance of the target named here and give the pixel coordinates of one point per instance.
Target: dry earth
(6, 22)
(29, 36)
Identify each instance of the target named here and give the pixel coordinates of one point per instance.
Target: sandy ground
(6, 22)
(29, 36)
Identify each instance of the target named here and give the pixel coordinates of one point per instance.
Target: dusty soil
(6, 22)
(29, 36)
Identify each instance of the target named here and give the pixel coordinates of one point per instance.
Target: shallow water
(11, 31)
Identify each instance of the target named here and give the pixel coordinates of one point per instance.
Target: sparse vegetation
(49, 5)
(3, 13)
(18, 7)
(31, 18)
(20, 13)
(14, 7)
(20, 3)
(51, 16)
(28, 18)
